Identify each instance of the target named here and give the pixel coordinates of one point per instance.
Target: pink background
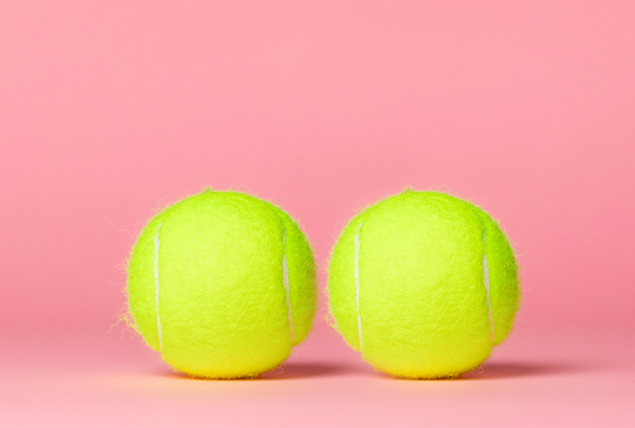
(110, 110)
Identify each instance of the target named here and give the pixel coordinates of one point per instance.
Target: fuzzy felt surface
(215, 261)
(424, 308)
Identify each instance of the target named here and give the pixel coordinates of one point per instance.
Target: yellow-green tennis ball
(424, 285)
(223, 285)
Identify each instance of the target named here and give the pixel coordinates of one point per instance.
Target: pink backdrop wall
(110, 110)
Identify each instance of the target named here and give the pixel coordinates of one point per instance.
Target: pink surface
(110, 110)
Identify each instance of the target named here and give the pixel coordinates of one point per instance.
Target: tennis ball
(223, 285)
(423, 285)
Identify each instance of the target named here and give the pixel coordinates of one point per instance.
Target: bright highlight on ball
(223, 285)
(423, 285)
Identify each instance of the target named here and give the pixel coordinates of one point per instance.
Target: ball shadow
(295, 370)
(288, 371)
(507, 370)
(502, 370)
(488, 371)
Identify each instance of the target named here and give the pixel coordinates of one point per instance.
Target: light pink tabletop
(111, 110)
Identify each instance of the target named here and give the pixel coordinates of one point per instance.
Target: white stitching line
(156, 283)
(486, 282)
(359, 318)
(285, 278)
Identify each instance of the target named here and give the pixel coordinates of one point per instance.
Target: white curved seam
(359, 318)
(156, 283)
(285, 279)
(486, 283)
